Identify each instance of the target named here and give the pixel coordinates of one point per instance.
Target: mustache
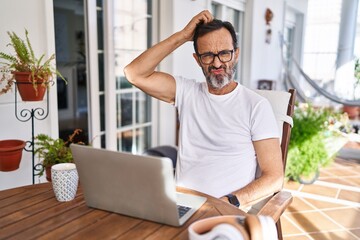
(216, 68)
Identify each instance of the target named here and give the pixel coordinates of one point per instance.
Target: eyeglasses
(224, 56)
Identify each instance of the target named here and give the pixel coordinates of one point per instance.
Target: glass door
(125, 112)
(95, 40)
(71, 58)
(132, 34)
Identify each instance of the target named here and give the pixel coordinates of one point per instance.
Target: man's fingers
(201, 18)
(209, 16)
(206, 16)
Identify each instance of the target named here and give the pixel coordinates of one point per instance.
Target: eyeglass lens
(223, 56)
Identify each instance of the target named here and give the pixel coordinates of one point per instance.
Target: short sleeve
(263, 122)
(183, 87)
(179, 91)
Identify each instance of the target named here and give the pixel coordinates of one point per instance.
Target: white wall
(299, 8)
(184, 62)
(37, 18)
(265, 62)
(299, 5)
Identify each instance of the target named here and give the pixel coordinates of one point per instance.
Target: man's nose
(217, 63)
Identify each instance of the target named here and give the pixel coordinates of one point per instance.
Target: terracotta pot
(48, 173)
(26, 88)
(10, 154)
(352, 111)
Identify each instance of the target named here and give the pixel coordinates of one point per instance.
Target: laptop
(134, 185)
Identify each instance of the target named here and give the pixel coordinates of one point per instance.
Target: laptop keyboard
(182, 210)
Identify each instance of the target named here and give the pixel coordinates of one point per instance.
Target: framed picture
(266, 84)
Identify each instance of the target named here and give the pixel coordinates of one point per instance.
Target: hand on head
(203, 17)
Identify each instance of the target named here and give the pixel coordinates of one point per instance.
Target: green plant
(357, 71)
(357, 76)
(54, 151)
(307, 149)
(24, 60)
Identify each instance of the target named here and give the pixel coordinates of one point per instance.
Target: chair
(277, 204)
(163, 151)
(283, 106)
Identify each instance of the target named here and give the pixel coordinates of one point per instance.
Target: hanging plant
(27, 70)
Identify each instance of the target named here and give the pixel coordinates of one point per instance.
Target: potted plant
(315, 139)
(53, 151)
(354, 111)
(32, 75)
(10, 154)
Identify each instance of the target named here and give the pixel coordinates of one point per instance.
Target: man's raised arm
(141, 71)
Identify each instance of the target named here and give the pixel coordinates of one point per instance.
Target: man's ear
(197, 59)
(237, 53)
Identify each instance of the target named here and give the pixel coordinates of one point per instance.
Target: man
(225, 128)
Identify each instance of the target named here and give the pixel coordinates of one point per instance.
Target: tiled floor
(328, 208)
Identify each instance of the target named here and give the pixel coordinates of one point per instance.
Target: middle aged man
(225, 128)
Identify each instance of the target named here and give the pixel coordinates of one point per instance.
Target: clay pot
(352, 111)
(26, 88)
(48, 173)
(10, 154)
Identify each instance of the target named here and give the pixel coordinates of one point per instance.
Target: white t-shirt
(216, 154)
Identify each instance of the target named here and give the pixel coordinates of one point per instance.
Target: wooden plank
(75, 225)
(26, 194)
(111, 227)
(10, 192)
(140, 231)
(25, 203)
(19, 190)
(14, 213)
(54, 222)
(34, 220)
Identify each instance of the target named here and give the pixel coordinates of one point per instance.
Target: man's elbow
(129, 74)
(278, 181)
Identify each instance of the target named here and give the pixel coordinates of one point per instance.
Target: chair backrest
(283, 104)
(163, 151)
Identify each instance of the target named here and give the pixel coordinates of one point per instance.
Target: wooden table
(32, 212)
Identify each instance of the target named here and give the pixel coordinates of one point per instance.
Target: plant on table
(53, 151)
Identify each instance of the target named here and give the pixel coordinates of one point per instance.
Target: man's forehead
(216, 39)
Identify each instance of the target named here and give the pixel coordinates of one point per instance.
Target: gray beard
(218, 82)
